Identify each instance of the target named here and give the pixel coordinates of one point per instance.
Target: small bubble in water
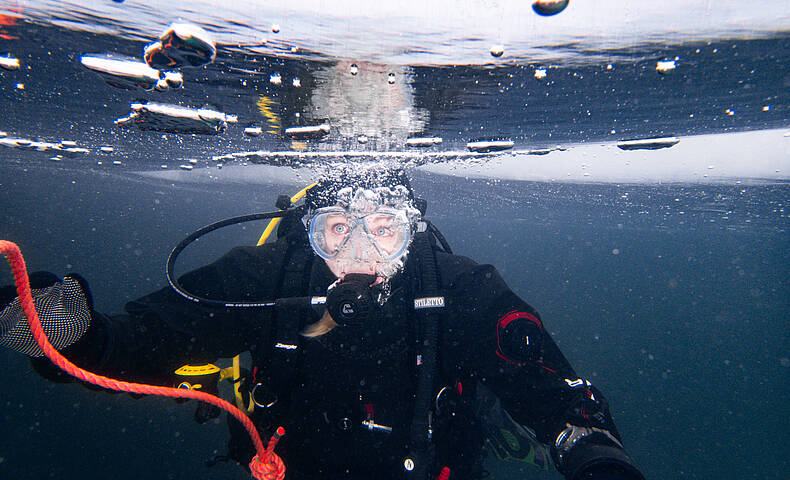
(362, 139)
(616, 251)
(296, 82)
(20, 86)
(766, 108)
(609, 66)
(729, 112)
(549, 7)
(497, 50)
(275, 79)
(540, 73)
(294, 49)
(391, 78)
(354, 69)
(275, 28)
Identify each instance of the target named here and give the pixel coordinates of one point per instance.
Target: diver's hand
(64, 309)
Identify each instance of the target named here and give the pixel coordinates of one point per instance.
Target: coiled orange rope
(266, 465)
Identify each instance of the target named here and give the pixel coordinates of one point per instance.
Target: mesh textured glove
(64, 309)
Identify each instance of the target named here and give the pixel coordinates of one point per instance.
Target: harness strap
(421, 451)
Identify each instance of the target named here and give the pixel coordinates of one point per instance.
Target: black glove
(64, 309)
(583, 453)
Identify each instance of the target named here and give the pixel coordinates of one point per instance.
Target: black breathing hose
(171, 260)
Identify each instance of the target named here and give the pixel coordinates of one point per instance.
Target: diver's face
(367, 231)
(362, 245)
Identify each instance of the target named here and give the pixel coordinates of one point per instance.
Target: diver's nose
(358, 245)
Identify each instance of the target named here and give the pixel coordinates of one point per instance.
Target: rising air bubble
(391, 78)
(549, 7)
(354, 69)
(497, 50)
(181, 45)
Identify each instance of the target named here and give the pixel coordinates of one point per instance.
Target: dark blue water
(672, 298)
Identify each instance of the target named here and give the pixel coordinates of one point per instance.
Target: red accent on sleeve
(504, 321)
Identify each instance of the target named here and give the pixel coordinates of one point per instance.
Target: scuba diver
(380, 352)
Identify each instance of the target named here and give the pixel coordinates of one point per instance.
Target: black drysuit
(351, 373)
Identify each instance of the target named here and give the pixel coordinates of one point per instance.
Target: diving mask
(367, 231)
(383, 234)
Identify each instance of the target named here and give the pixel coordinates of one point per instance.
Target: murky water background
(669, 293)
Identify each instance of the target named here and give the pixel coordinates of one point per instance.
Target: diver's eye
(340, 229)
(383, 232)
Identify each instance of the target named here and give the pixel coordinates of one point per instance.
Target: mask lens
(329, 230)
(387, 233)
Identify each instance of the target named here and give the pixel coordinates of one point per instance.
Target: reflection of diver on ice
(368, 106)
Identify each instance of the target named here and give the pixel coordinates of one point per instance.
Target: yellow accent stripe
(189, 370)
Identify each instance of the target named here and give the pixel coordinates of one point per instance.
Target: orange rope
(444, 474)
(271, 468)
